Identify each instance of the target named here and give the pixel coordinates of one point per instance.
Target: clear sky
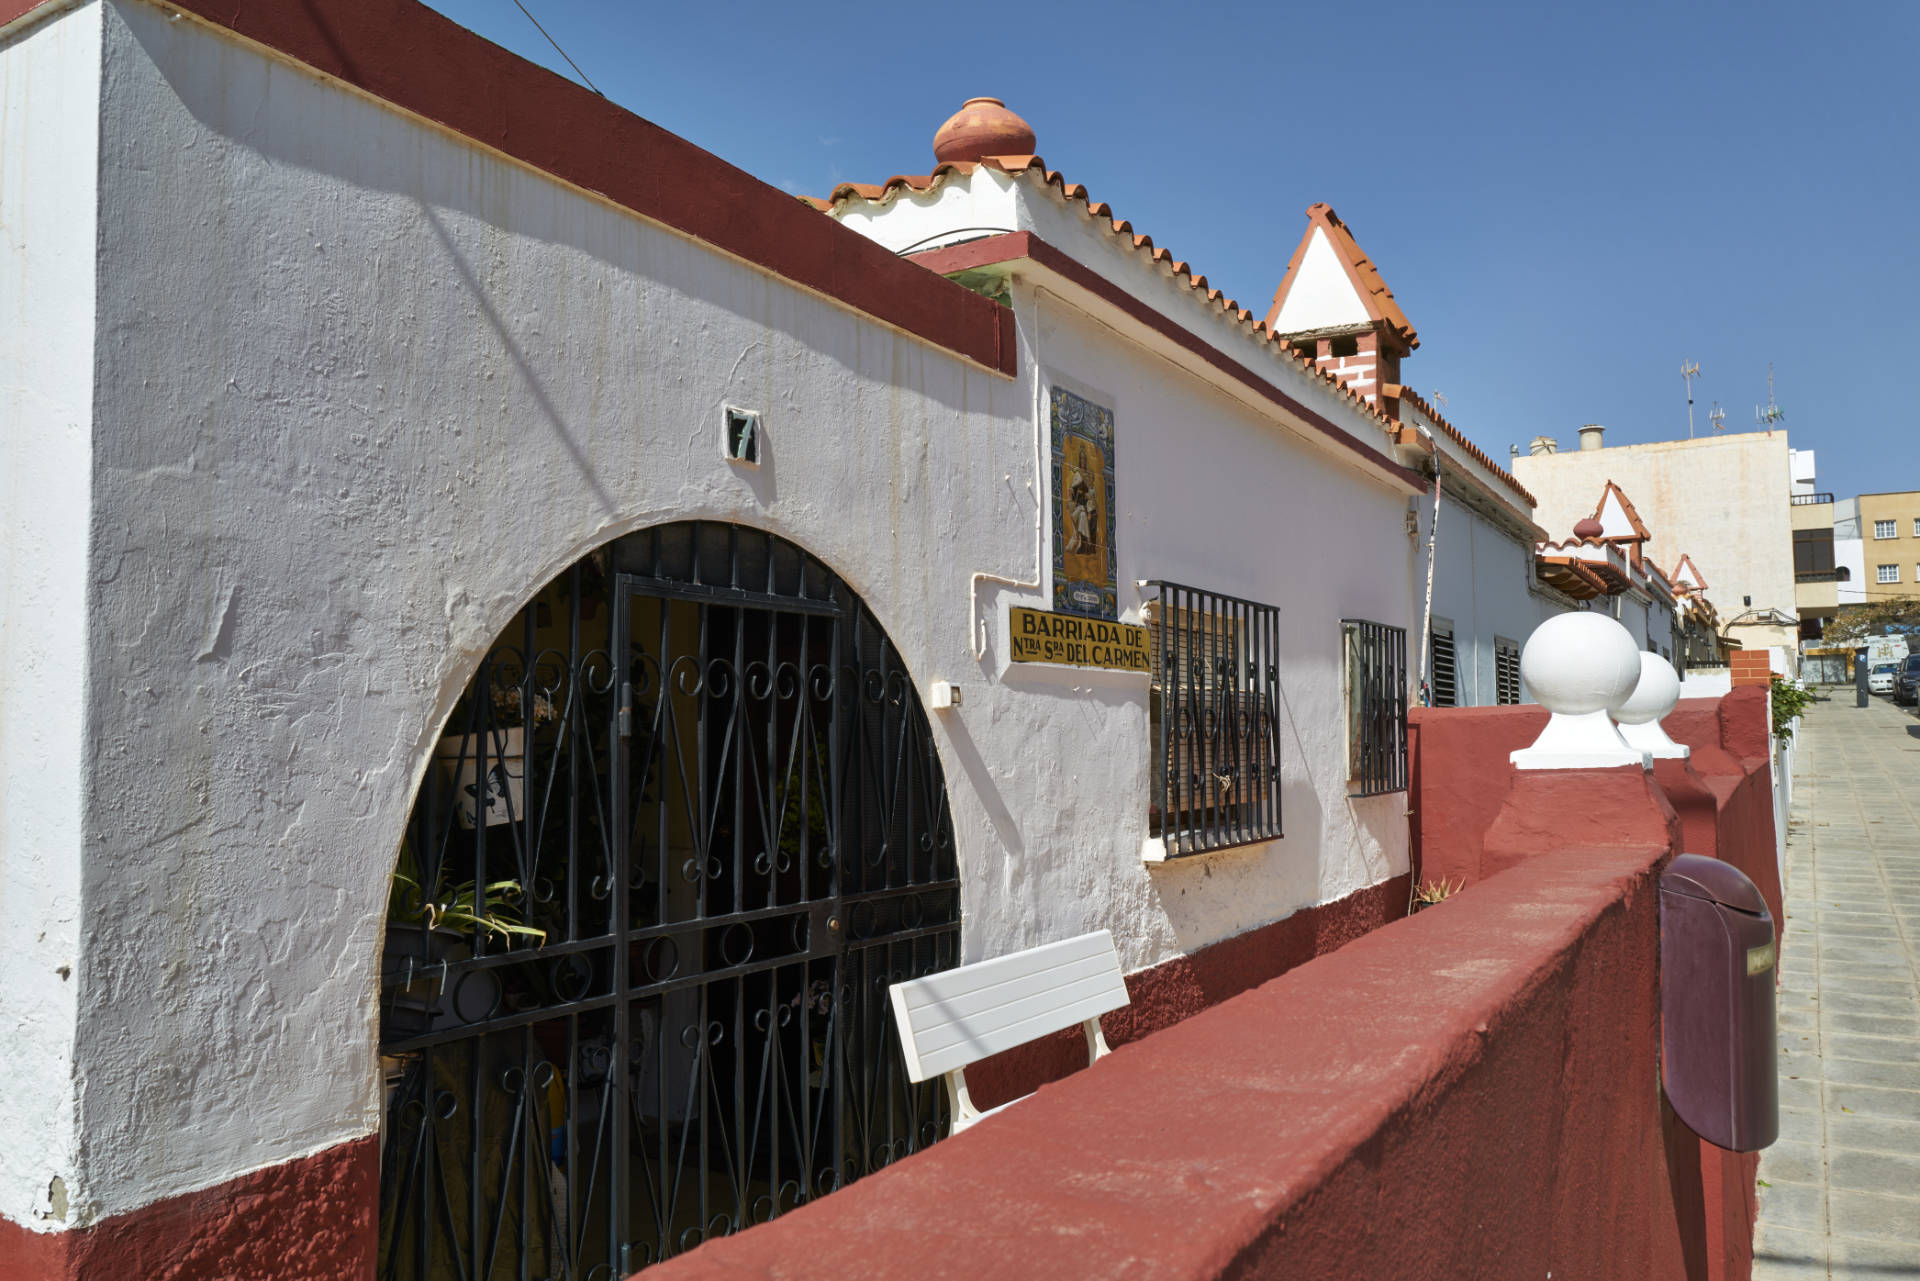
(1569, 202)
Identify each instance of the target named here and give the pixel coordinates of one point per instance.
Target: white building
(417, 463)
(1335, 309)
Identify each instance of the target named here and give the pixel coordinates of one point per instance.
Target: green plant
(457, 906)
(1432, 892)
(1790, 698)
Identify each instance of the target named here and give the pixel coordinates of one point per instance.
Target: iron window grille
(1443, 685)
(1376, 663)
(1506, 672)
(1214, 722)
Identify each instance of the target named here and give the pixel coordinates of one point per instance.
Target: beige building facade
(1890, 545)
(1723, 501)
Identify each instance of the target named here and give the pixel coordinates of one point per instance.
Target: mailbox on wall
(1717, 954)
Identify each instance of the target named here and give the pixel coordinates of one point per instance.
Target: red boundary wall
(1165, 994)
(326, 1203)
(1470, 1092)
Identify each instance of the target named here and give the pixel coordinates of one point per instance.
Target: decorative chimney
(1590, 436)
(1342, 319)
(1543, 445)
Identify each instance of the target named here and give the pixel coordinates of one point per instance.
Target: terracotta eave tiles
(1019, 166)
(1374, 293)
(1573, 577)
(1395, 391)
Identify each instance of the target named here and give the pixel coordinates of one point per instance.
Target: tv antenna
(1439, 399)
(1718, 418)
(1772, 414)
(1689, 370)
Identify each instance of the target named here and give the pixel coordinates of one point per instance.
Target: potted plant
(426, 929)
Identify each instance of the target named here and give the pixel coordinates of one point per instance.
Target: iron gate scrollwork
(684, 829)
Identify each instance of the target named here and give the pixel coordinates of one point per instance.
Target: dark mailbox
(1717, 952)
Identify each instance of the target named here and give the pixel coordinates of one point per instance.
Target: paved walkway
(1840, 1194)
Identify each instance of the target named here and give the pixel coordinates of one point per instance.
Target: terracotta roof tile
(1408, 395)
(1374, 294)
(1018, 166)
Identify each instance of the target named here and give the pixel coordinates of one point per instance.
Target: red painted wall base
(313, 1219)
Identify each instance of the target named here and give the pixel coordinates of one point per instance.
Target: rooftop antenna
(1439, 399)
(1689, 370)
(1718, 418)
(1772, 414)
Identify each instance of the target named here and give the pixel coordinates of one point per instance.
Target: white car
(1880, 679)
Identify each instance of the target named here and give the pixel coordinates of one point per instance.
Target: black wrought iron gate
(638, 953)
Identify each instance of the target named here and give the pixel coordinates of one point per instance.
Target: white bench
(957, 1017)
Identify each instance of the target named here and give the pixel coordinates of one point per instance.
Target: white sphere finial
(1643, 710)
(1577, 666)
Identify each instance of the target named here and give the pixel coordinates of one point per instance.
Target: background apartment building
(1727, 502)
(1889, 542)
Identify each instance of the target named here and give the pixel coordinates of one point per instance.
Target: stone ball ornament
(1580, 663)
(1579, 666)
(1640, 715)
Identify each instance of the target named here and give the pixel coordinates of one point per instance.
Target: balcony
(1809, 500)
(1816, 592)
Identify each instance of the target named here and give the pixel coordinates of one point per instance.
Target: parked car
(1906, 681)
(1880, 679)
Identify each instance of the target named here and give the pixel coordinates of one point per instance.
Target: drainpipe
(1433, 533)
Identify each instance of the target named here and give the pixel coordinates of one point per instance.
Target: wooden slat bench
(960, 1016)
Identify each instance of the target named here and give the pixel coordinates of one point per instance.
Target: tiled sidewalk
(1844, 1194)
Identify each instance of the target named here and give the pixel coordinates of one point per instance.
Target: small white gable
(1322, 295)
(1614, 521)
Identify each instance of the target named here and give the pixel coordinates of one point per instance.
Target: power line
(557, 49)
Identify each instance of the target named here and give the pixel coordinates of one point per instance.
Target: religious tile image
(1085, 568)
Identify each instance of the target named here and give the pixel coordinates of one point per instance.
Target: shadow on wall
(280, 123)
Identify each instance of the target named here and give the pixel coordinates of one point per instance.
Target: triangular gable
(1686, 575)
(1331, 283)
(1619, 522)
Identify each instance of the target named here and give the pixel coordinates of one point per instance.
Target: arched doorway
(684, 829)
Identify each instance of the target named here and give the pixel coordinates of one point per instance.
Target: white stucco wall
(1481, 585)
(1213, 495)
(368, 387)
(49, 127)
(363, 387)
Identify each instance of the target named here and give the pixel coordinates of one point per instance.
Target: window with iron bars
(1506, 672)
(1443, 680)
(1376, 663)
(1213, 712)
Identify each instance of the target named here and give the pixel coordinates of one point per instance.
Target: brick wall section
(1750, 667)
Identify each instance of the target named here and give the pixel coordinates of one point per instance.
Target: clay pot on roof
(982, 127)
(1588, 528)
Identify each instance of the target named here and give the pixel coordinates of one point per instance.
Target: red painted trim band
(1017, 245)
(408, 55)
(312, 1219)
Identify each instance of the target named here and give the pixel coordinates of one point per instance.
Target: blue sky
(1568, 202)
